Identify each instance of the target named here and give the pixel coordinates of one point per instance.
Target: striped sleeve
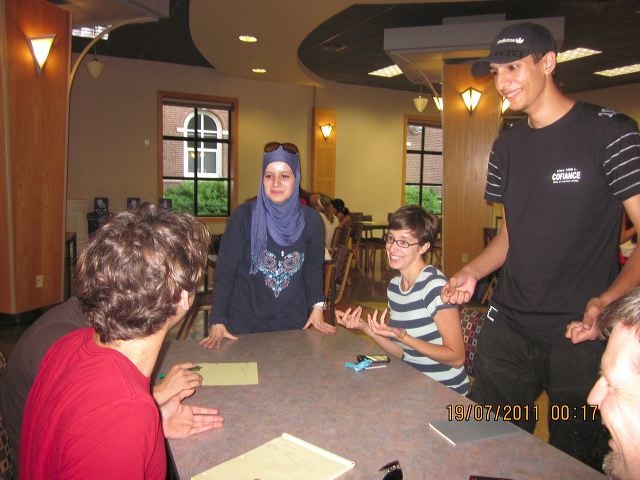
(494, 186)
(622, 158)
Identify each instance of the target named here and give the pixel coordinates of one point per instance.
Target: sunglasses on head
(287, 147)
(392, 470)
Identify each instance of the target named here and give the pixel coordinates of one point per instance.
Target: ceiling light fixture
(326, 130)
(95, 67)
(420, 102)
(40, 48)
(439, 102)
(614, 72)
(247, 38)
(390, 71)
(575, 53)
(471, 97)
(259, 70)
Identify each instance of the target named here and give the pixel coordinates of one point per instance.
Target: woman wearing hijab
(269, 267)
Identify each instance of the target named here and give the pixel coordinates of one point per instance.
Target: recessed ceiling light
(259, 70)
(390, 71)
(90, 32)
(614, 72)
(576, 53)
(247, 38)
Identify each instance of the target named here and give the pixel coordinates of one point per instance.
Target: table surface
(371, 417)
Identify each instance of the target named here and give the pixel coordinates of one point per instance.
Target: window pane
(432, 169)
(414, 137)
(413, 168)
(209, 123)
(181, 194)
(173, 158)
(432, 199)
(212, 198)
(173, 118)
(433, 139)
(208, 162)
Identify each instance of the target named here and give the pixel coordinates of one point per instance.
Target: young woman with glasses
(422, 330)
(269, 268)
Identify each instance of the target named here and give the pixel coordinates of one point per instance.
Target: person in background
(269, 269)
(422, 330)
(617, 391)
(562, 176)
(329, 220)
(342, 212)
(28, 353)
(305, 198)
(90, 413)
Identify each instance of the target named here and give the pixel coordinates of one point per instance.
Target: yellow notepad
(283, 458)
(214, 374)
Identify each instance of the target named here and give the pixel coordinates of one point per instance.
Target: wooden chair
(340, 237)
(335, 278)
(356, 241)
(203, 300)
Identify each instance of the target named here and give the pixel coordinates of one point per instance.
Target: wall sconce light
(505, 105)
(471, 97)
(40, 48)
(326, 130)
(95, 67)
(439, 102)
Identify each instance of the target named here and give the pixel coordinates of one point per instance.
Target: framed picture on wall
(165, 203)
(133, 202)
(101, 206)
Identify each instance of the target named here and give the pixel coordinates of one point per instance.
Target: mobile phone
(374, 358)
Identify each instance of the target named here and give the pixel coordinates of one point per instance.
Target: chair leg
(489, 292)
(187, 323)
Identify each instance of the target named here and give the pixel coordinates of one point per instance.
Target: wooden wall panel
(36, 109)
(323, 158)
(6, 280)
(467, 143)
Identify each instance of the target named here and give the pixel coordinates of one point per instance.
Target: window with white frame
(205, 124)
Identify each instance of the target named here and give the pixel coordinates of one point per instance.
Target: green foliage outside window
(430, 200)
(212, 198)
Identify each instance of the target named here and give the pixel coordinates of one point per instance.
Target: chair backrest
(340, 236)
(7, 463)
(337, 273)
(471, 322)
(356, 235)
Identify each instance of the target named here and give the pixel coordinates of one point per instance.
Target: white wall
(111, 118)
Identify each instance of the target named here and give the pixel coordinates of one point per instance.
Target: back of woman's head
(130, 277)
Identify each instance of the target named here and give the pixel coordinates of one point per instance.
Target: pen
(197, 368)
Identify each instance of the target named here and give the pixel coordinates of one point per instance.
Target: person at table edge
(269, 268)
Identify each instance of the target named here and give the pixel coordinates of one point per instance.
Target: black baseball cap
(514, 42)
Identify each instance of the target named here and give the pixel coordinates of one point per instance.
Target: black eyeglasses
(392, 470)
(287, 147)
(401, 243)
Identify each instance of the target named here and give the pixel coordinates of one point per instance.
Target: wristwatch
(320, 306)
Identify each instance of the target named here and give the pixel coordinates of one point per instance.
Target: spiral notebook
(283, 458)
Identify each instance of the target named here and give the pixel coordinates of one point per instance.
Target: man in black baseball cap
(561, 176)
(515, 42)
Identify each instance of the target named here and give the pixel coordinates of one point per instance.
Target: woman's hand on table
(217, 333)
(316, 320)
(177, 379)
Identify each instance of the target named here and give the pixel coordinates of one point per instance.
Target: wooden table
(371, 417)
